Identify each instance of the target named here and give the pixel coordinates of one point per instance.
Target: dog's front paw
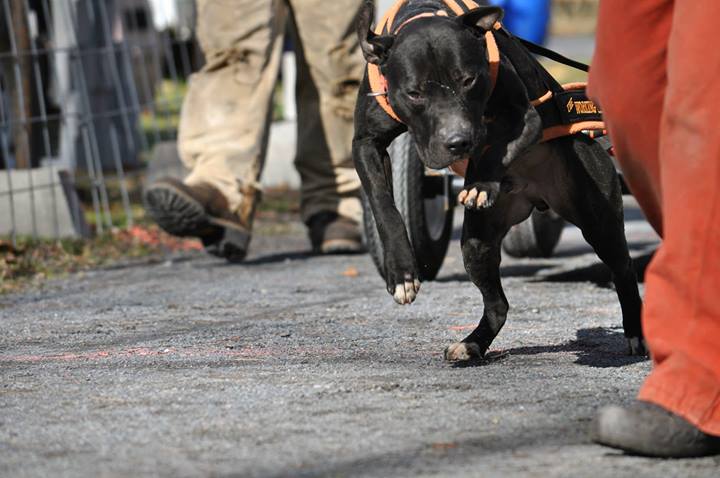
(402, 279)
(637, 346)
(406, 291)
(479, 195)
(462, 351)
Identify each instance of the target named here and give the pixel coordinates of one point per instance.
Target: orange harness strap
(379, 86)
(553, 132)
(378, 82)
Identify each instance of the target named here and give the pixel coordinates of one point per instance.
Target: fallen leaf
(351, 272)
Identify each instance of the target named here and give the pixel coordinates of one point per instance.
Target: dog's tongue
(459, 167)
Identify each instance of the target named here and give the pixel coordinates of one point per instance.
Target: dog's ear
(375, 47)
(483, 17)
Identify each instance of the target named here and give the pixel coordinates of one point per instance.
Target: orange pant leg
(682, 305)
(628, 79)
(681, 315)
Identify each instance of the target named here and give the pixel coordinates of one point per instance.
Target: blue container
(527, 19)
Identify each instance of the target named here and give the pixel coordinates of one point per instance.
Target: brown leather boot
(331, 233)
(202, 211)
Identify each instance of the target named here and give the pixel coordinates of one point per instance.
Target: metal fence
(87, 89)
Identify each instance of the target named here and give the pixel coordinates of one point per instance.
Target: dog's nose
(458, 144)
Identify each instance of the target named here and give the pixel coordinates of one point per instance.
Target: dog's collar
(378, 82)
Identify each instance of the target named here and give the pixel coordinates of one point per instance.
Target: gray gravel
(292, 365)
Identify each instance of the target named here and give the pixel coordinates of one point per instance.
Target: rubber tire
(536, 236)
(408, 175)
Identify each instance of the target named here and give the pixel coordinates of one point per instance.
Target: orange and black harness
(564, 109)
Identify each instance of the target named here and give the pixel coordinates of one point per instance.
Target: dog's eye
(468, 82)
(414, 95)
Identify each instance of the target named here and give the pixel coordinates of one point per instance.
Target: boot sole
(176, 212)
(181, 215)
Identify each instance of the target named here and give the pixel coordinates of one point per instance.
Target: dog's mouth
(454, 164)
(459, 166)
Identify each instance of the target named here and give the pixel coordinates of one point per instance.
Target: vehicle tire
(536, 236)
(424, 203)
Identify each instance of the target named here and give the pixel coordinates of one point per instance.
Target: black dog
(439, 86)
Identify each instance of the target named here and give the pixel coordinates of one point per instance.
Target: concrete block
(40, 202)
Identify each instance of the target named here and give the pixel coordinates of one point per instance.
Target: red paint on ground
(252, 353)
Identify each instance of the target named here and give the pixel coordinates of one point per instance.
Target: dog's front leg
(487, 179)
(482, 235)
(373, 166)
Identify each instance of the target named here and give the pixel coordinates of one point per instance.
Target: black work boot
(649, 430)
(201, 211)
(331, 233)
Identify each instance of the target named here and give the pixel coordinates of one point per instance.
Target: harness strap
(553, 55)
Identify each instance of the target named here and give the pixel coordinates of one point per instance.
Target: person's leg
(683, 281)
(628, 79)
(225, 116)
(330, 67)
(679, 409)
(224, 123)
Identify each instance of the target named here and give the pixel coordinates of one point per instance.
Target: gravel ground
(294, 365)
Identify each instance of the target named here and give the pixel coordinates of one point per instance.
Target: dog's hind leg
(483, 232)
(607, 237)
(596, 207)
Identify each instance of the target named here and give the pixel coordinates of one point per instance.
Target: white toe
(409, 292)
(399, 295)
(482, 199)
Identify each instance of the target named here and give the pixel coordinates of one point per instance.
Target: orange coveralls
(656, 74)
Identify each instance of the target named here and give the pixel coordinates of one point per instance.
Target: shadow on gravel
(490, 358)
(172, 258)
(585, 248)
(515, 270)
(432, 457)
(598, 347)
(273, 258)
(598, 273)
(287, 257)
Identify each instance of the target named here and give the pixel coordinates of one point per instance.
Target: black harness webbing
(566, 107)
(553, 55)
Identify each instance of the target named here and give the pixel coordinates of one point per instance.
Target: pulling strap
(553, 55)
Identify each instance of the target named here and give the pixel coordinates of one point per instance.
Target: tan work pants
(225, 116)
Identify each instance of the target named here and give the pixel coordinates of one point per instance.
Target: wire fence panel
(87, 89)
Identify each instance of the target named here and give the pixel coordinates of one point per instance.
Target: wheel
(424, 203)
(536, 236)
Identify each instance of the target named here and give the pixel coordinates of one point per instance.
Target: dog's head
(438, 79)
